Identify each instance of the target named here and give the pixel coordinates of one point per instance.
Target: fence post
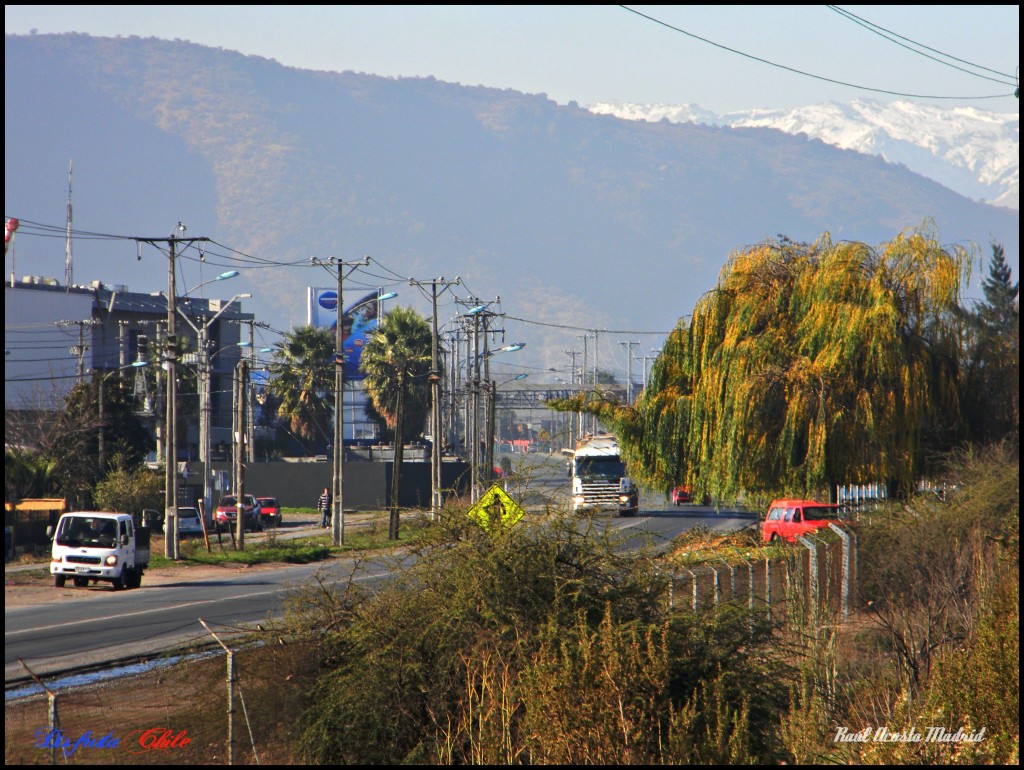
(715, 573)
(52, 713)
(231, 691)
(847, 566)
(812, 567)
(768, 587)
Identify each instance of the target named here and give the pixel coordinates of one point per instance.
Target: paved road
(60, 636)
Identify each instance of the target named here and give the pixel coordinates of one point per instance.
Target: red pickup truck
(789, 519)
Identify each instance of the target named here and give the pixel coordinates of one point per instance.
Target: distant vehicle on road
(682, 495)
(599, 479)
(270, 511)
(790, 519)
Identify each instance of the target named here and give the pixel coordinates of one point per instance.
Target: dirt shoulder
(28, 584)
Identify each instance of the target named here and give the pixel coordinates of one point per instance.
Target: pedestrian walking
(325, 508)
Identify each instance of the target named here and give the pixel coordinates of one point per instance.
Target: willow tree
(396, 361)
(808, 365)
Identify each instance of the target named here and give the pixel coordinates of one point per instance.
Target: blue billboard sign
(358, 322)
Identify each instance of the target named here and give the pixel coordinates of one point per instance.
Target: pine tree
(992, 370)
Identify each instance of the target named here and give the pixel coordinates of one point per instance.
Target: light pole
(201, 331)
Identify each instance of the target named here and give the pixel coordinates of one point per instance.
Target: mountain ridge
(974, 152)
(577, 221)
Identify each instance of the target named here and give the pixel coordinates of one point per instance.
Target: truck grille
(601, 494)
(82, 559)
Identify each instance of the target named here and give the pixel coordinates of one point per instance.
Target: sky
(721, 58)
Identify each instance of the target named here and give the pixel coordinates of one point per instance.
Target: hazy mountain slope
(974, 152)
(572, 218)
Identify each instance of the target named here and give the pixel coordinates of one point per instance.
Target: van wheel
(81, 582)
(134, 578)
(118, 582)
(59, 580)
(775, 537)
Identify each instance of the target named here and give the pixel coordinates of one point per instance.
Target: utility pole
(338, 514)
(629, 369)
(171, 537)
(240, 382)
(573, 436)
(435, 398)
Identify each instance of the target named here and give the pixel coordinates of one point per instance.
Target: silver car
(188, 522)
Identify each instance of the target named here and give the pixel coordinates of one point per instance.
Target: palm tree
(396, 362)
(302, 377)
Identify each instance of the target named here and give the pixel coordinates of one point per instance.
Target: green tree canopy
(808, 365)
(73, 440)
(302, 379)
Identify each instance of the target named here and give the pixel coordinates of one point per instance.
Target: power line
(801, 72)
(872, 27)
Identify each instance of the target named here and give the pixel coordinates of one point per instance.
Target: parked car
(682, 495)
(226, 515)
(189, 522)
(270, 511)
(151, 518)
(789, 519)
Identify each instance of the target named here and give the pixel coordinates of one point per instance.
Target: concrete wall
(367, 484)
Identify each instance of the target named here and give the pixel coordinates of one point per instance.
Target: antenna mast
(68, 271)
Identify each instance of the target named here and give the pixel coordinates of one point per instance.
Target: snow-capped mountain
(973, 152)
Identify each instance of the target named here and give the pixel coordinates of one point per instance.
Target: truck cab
(98, 546)
(599, 479)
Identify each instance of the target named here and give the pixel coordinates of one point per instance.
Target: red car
(227, 513)
(789, 519)
(682, 495)
(270, 511)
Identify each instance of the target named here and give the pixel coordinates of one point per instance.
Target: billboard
(359, 320)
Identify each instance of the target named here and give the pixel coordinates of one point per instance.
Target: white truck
(599, 479)
(90, 545)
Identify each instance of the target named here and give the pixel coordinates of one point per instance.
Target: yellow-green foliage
(808, 364)
(539, 646)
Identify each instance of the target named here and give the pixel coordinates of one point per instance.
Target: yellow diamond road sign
(495, 505)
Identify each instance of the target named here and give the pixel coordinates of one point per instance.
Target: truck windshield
(84, 531)
(600, 468)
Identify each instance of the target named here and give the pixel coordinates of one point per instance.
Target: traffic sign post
(496, 509)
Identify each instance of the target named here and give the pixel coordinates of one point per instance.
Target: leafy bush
(540, 645)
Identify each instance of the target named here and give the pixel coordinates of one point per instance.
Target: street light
(221, 277)
(204, 394)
